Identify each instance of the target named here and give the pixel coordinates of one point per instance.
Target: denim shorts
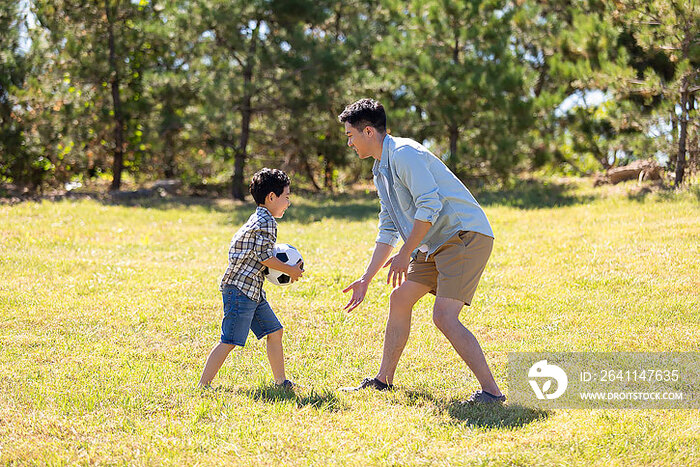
(242, 314)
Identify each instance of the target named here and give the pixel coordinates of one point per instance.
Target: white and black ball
(288, 255)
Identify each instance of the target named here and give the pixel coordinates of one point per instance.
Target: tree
(100, 48)
(236, 72)
(565, 44)
(16, 164)
(456, 68)
(170, 88)
(321, 74)
(667, 32)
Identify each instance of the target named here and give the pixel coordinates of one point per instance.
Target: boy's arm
(264, 247)
(359, 287)
(264, 240)
(294, 272)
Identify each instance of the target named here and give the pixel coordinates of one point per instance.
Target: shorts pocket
(466, 237)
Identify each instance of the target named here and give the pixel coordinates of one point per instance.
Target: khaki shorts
(455, 268)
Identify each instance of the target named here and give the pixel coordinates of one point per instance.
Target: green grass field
(107, 313)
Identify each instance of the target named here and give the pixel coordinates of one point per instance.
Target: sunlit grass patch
(108, 311)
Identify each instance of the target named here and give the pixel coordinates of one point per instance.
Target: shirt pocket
(404, 197)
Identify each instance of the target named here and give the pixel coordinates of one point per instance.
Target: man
(447, 242)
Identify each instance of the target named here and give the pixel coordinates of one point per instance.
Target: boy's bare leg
(398, 326)
(275, 355)
(446, 318)
(215, 359)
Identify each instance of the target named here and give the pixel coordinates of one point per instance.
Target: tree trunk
(683, 122)
(674, 130)
(454, 137)
(541, 76)
(328, 176)
(118, 162)
(692, 148)
(238, 187)
(310, 173)
(169, 147)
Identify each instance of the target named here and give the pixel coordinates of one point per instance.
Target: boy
(245, 305)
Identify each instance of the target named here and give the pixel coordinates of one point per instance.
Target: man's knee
(398, 298)
(445, 319)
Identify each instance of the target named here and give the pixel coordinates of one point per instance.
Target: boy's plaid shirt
(252, 244)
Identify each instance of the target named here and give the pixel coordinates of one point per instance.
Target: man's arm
(359, 287)
(388, 233)
(414, 173)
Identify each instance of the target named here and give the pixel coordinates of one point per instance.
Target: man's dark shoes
(373, 383)
(483, 397)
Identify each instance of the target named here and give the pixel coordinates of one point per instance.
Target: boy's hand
(295, 272)
(359, 290)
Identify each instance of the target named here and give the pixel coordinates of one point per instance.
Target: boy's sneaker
(483, 397)
(373, 383)
(288, 385)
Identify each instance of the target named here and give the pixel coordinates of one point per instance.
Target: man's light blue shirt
(413, 184)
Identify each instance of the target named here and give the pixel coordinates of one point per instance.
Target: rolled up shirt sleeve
(414, 173)
(388, 233)
(265, 241)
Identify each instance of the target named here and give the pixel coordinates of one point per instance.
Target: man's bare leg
(398, 326)
(446, 318)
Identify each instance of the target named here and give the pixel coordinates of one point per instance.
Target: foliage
(210, 90)
(452, 63)
(663, 40)
(19, 162)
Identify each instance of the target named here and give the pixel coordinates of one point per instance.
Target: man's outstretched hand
(398, 270)
(359, 290)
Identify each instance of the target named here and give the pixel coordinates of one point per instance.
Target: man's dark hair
(365, 112)
(268, 181)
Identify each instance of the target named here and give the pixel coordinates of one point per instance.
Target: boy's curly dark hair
(267, 181)
(365, 112)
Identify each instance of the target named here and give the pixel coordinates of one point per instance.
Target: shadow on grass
(660, 192)
(359, 206)
(695, 190)
(306, 207)
(324, 401)
(639, 194)
(355, 206)
(481, 416)
(532, 194)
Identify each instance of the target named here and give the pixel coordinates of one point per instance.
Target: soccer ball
(288, 255)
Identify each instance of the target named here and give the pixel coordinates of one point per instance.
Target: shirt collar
(382, 165)
(263, 211)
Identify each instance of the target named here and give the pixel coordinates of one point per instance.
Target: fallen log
(637, 170)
